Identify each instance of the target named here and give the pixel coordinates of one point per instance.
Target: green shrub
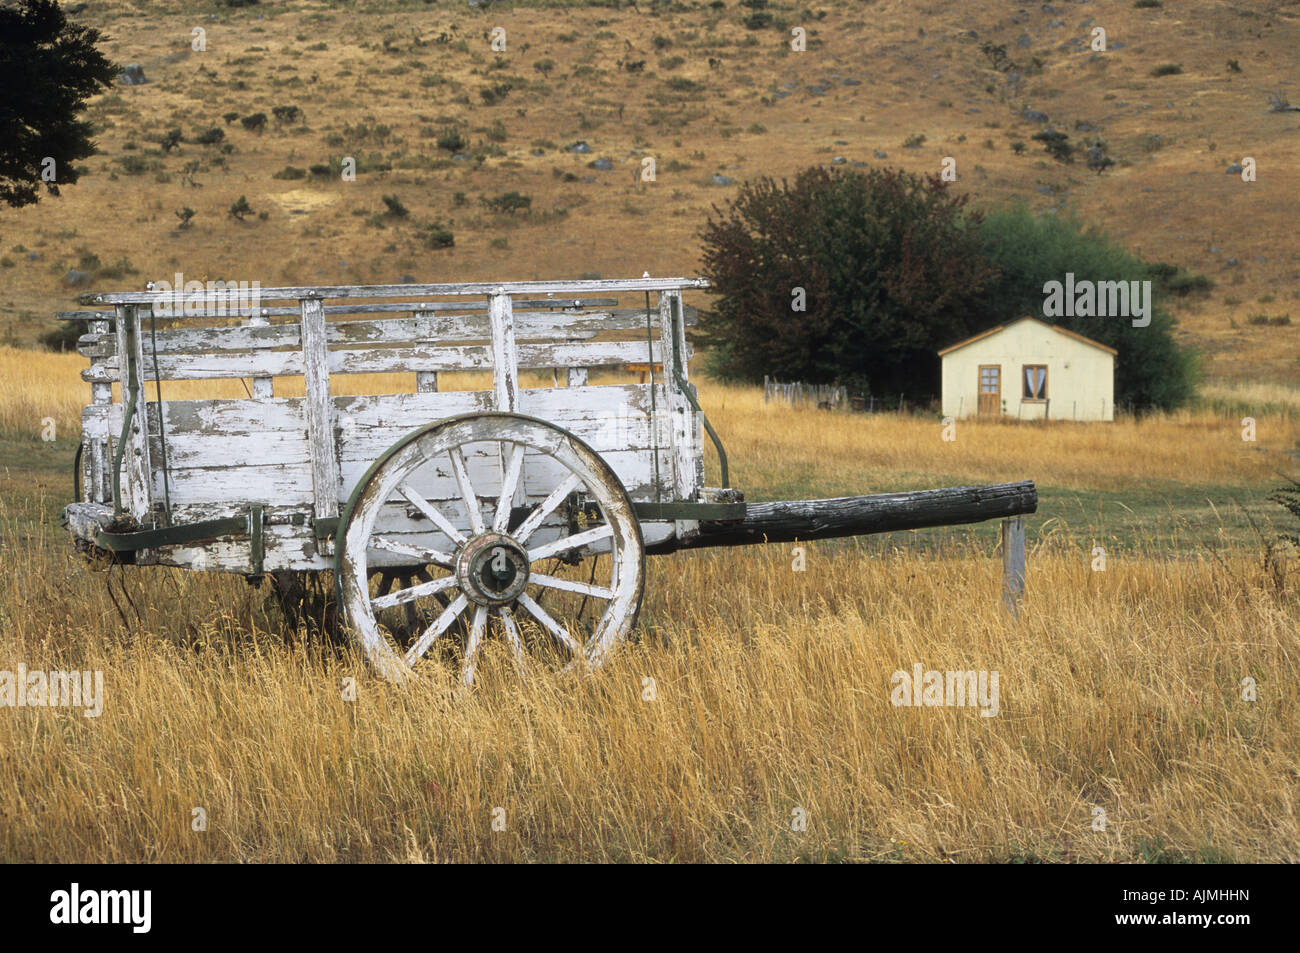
(63, 337)
(241, 208)
(509, 202)
(436, 236)
(1167, 69)
(1150, 369)
(291, 172)
(450, 140)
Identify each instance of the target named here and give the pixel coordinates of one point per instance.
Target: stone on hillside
(1033, 115)
(601, 165)
(719, 179)
(1234, 169)
(75, 278)
(580, 147)
(132, 75)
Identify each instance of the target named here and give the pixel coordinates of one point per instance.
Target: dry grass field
(1119, 690)
(751, 694)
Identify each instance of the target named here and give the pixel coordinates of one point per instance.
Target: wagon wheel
(489, 577)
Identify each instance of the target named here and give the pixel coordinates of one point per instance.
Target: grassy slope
(920, 70)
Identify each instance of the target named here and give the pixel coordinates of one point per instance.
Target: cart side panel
(224, 455)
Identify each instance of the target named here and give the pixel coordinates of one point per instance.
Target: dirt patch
(303, 201)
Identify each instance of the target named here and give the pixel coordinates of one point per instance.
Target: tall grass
(1119, 689)
(771, 691)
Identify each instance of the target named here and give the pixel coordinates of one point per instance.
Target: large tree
(48, 69)
(887, 266)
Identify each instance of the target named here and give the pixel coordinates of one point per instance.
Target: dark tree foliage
(890, 263)
(48, 69)
(1289, 498)
(1151, 370)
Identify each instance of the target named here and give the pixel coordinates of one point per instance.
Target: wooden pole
(791, 520)
(1013, 563)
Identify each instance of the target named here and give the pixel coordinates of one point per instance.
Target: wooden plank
(319, 411)
(687, 475)
(562, 288)
(263, 387)
(378, 361)
(423, 328)
(572, 304)
(288, 548)
(237, 432)
(136, 482)
(505, 355)
(292, 484)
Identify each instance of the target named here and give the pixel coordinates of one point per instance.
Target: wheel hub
(492, 569)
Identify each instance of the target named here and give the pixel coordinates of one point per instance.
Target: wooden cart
(523, 509)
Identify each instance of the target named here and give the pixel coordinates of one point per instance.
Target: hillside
(438, 119)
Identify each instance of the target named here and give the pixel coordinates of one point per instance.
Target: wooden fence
(822, 396)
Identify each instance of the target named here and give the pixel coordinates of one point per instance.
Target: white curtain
(1035, 382)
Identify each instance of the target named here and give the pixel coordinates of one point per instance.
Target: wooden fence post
(1013, 562)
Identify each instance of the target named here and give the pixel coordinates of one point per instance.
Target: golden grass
(1118, 690)
(862, 453)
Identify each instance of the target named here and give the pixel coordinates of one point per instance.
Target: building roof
(1002, 327)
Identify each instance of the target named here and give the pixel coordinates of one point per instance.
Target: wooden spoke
(547, 507)
(512, 635)
(466, 490)
(569, 585)
(415, 552)
(403, 596)
(440, 625)
(511, 466)
(432, 514)
(560, 632)
(576, 541)
(473, 643)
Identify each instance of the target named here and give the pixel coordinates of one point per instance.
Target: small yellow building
(1030, 370)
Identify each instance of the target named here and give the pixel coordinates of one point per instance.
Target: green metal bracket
(709, 512)
(685, 387)
(257, 549)
(174, 535)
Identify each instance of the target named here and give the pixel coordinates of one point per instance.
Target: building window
(1035, 382)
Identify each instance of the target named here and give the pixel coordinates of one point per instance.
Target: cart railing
(168, 462)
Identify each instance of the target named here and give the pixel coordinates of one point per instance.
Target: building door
(990, 389)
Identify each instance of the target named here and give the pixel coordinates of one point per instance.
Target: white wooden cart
(524, 510)
(446, 505)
